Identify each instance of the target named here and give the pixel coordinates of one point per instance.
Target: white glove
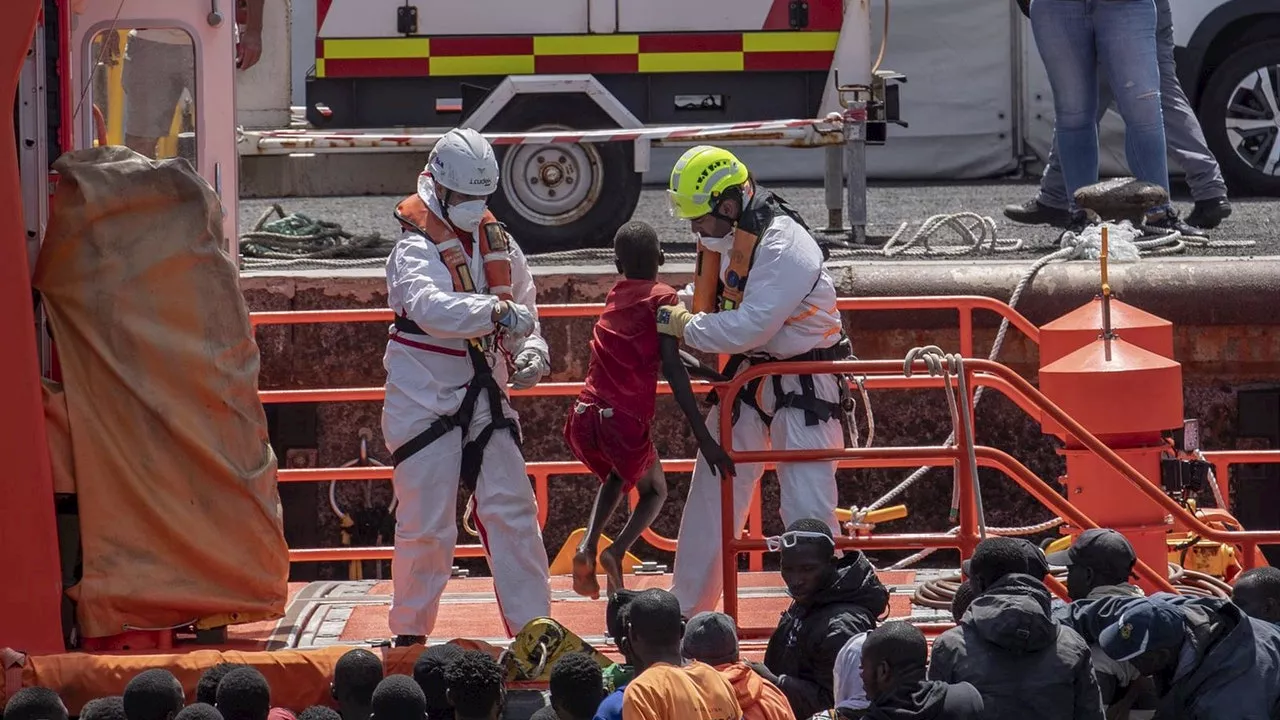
(516, 318)
(531, 366)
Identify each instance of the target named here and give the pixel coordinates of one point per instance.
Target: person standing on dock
(761, 294)
(466, 324)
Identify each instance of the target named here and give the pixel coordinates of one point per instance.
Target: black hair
(153, 694)
(655, 616)
(104, 708)
(475, 684)
(398, 697)
(319, 712)
(614, 623)
(813, 525)
(1265, 580)
(196, 711)
(244, 695)
(898, 643)
(637, 250)
(577, 685)
(356, 675)
(996, 557)
(429, 672)
(963, 597)
(207, 687)
(35, 703)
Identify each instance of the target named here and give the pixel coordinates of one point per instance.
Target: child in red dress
(608, 427)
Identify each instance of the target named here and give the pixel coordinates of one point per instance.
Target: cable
(937, 594)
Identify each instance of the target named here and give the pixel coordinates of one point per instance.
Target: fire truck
(388, 73)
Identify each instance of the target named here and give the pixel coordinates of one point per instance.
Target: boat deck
(321, 614)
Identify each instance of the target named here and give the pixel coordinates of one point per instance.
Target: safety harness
(494, 248)
(711, 294)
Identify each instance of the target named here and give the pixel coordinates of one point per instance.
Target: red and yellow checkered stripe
(598, 54)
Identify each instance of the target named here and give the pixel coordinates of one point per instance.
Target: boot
(1208, 214)
(407, 640)
(1034, 212)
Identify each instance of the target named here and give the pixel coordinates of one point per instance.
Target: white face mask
(717, 244)
(467, 215)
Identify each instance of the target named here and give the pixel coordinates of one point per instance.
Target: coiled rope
(297, 241)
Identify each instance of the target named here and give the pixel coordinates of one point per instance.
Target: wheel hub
(552, 184)
(1253, 120)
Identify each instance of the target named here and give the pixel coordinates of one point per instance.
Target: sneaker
(407, 640)
(1208, 214)
(1034, 212)
(1169, 220)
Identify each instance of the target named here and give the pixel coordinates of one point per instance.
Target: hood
(918, 700)
(856, 584)
(1220, 643)
(747, 685)
(427, 191)
(1013, 614)
(1126, 590)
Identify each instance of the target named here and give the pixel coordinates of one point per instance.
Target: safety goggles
(788, 540)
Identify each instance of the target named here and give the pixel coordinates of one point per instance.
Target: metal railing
(965, 306)
(887, 374)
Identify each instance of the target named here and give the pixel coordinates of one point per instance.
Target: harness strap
(746, 395)
(472, 451)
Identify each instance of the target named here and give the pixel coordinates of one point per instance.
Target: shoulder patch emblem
(497, 237)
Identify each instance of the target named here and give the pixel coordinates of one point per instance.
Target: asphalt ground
(889, 205)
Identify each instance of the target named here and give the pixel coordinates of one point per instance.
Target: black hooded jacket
(1024, 664)
(918, 699)
(802, 651)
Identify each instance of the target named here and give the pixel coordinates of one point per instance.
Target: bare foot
(584, 575)
(612, 566)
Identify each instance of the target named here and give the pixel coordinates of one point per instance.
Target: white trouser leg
(507, 520)
(808, 489)
(426, 486)
(697, 580)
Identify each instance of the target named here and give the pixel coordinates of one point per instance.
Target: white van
(1228, 54)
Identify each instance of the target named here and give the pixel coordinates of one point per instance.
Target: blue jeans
(1079, 38)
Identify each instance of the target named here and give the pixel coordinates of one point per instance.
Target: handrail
(964, 304)
(978, 372)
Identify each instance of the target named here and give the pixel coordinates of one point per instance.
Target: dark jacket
(1228, 667)
(802, 651)
(1024, 664)
(1114, 678)
(928, 700)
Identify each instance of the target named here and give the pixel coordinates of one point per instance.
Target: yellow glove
(672, 319)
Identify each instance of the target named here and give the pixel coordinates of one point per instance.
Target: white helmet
(463, 161)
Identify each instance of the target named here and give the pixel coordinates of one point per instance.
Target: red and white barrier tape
(813, 132)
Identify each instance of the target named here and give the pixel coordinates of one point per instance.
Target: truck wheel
(562, 196)
(1240, 115)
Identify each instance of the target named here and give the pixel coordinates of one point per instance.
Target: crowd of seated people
(1016, 652)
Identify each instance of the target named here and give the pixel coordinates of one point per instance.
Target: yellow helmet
(701, 174)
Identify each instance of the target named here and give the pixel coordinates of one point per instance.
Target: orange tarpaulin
(176, 482)
(298, 678)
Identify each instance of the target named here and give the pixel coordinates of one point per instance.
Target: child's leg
(652, 487)
(584, 561)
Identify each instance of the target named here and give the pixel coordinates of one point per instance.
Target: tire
(562, 197)
(1250, 160)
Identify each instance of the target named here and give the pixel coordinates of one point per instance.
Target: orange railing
(965, 306)
(885, 374)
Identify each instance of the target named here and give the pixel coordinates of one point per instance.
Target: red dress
(608, 427)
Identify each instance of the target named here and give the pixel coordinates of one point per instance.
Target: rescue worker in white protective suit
(464, 302)
(760, 294)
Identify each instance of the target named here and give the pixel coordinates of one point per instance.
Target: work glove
(672, 319)
(530, 367)
(516, 318)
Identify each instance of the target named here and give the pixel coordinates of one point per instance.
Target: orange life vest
(495, 246)
(710, 294)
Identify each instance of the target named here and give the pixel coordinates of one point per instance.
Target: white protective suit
(424, 385)
(789, 308)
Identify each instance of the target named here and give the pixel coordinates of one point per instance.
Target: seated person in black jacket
(893, 672)
(1009, 648)
(832, 600)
